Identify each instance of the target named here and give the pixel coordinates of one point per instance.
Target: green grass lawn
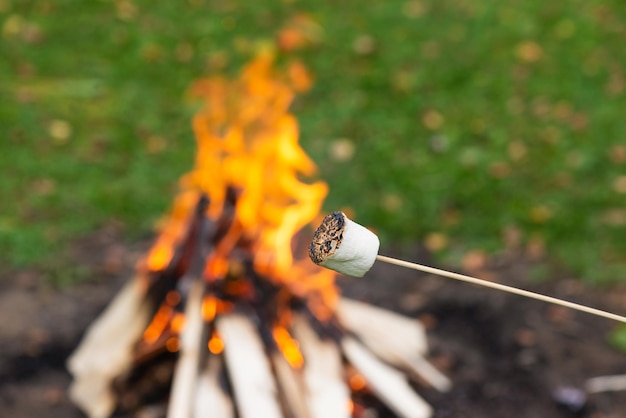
(455, 123)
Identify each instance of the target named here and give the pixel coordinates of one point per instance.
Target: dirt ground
(507, 356)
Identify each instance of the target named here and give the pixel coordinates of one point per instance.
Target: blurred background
(467, 126)
(468, 129)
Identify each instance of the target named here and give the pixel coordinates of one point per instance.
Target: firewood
(248, 367)
(106, 351)
(328, 394)
(382, 330)
(210, 398)
(186, 371)
(613, 383)
(396, 339)
(421, 368)
(291, 387)
(388, 383)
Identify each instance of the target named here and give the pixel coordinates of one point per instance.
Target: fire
(172, 344)
(248, 140)
(225, 304)
(159, 322)
(163, 250)
(357, 382)
(209, 308)
(288, 346)
(215, 345)
(248, 178)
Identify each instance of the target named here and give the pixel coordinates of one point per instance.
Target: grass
(463, 125)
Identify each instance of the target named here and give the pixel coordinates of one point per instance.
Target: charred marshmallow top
(344, 246)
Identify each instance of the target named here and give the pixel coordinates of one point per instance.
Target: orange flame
(172, 344)
(357, 382)
(158, 324)
(209, 308)
(216, 344)
(177, 323)
(247, 142)
(288, 346)
(247, 139)
(172, 231)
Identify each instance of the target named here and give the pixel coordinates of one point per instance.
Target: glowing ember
(357, 382)
(215, 345)
(288, 346)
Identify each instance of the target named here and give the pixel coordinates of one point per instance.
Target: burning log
(323, 373)
(186, 372)
(291, 387)
(255, 389)
(223, 319)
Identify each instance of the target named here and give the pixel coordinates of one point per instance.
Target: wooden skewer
(504, 288)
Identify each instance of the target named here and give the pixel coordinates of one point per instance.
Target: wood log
(106, 351)
(398, 340)
(372, 324)
(210, 398)
(291, 386)
(191, 347)
(419, 367)
(599, 384)
(327, 393)
(248, 367)
(389, 384)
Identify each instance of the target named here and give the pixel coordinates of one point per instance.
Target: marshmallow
(344, 246)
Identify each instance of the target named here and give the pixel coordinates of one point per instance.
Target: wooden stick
(388, 383)
(186, 372)
(256, 394)
(376, 326)
(606, 384)
(96, 362)
(291, 387)
(328, 394)
(210, 398)
(504, 288)
(398, 340)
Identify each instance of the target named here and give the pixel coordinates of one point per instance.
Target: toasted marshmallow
(344, 246)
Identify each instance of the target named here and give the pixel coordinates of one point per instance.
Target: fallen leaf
(414, 9)
(517, 150)
(342, 150)
(540, 214)
(392, 202)
(529, 52)
(60, 131)
(619, 184)
(364, 45)
(432, 120)
(617, 154)
(474, 260)
(436, 241)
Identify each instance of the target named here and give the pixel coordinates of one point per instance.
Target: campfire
(227, 316)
